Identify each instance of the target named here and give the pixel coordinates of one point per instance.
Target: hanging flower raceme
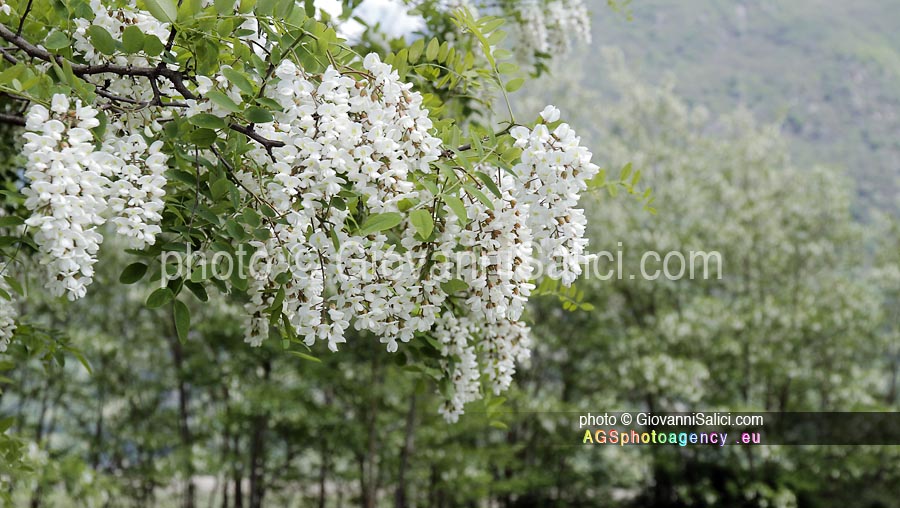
(369, 135)
(68, 186)
(74, 187)
(550, 26)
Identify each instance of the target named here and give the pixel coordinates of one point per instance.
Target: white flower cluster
(66, 193)
(550, 27)
(136, 198)
(115, 20)
(7, 316)
(554, 171)
(74, 187)
(369, 135)
(533, 222)
(351, 143)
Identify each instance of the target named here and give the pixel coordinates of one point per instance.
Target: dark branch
(269, 144)
(151, 73)
(12, 119)
(9, 58)
(24, 17)
(174, 76)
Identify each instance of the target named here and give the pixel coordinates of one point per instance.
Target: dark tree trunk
(37, 495)
(236, 476)
(405, 452)
(184, 430)
(258, 450)
(323, 472)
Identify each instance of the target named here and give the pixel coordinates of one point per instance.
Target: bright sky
(390, 13)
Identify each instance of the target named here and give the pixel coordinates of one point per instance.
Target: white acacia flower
(550, 114)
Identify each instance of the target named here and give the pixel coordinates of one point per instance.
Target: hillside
(828, 70)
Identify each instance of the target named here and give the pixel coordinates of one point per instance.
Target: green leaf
(488, 183)
(224, 7)
(502, 54)
(223, 101)
(11, 221)
(278, 301)
(380, 222)
(454, 286)
(458, 208)
(56, 40)
(207, 121)
(7, 76)
(422, 221)
(81, 359)
(182, 319)
(219, 188)
(490, 23)
(235, 230)
(507, 68)
(305, 356)
(202, 137)
(265, 7)
(256, 114)
(6, 423)
(152, 45)
(163, 10)
(479, 196)
(159, 297)
(514, 84)
(251, 218)
(496, 37)
(132, 39)
(239, 80)
(198, 290)
(431, 52)
(101, 39)
(133, 273)
(14, 284)
(415, 51)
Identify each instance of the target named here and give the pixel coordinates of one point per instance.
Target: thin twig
(24, 16)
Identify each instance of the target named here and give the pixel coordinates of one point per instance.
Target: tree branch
(24, 16)
(174, 76)
(269, 144)
(151, 73)
(9, 58)
(12, 119)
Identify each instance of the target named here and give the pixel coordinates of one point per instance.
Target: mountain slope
(828, 70)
